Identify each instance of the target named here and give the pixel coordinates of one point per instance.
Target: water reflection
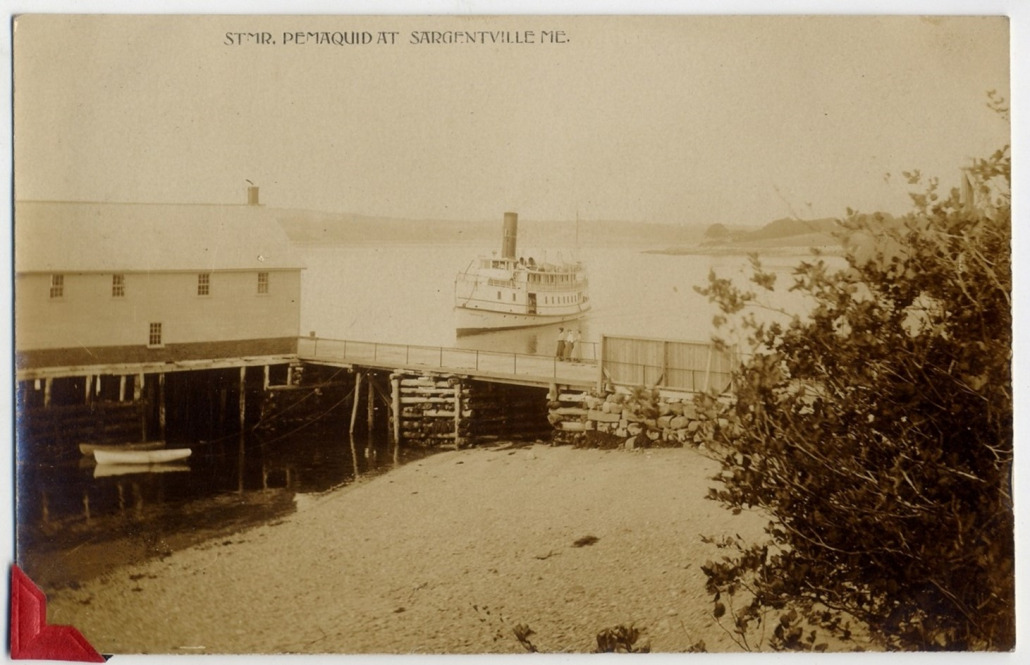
(106, 470)
(78, 519)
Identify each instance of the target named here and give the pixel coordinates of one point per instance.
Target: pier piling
(354, 408)
(161, 414)
(371, 408)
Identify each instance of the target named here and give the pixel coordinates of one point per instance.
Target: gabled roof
(54, 236)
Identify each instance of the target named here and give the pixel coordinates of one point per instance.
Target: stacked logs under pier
(433, 410)
(637, 418)
(502, 411)
(457, 411)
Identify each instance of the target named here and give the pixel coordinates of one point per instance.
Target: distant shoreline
(643, 248)
(733, 250)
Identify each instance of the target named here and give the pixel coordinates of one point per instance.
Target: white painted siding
(89, 316)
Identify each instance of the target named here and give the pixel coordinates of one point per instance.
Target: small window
(513, 297)
(262, 283)
(498, 295)
(56, 286)
(117, 286)
(155, 335)
(204, 284)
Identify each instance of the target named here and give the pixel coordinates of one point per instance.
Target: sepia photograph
(397, 334)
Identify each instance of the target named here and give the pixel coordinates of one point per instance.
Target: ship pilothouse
(493, 292)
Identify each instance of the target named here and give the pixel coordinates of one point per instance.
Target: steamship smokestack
(252, 195)
(511, 226)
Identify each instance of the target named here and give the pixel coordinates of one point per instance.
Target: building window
(155, 335)
(262, 283)
(117, 286)
(204, 284)
(56, 286)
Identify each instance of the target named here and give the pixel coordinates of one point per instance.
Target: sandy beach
(447, 554)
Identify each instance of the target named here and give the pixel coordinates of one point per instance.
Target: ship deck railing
(504, 366)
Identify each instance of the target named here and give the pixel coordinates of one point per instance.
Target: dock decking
(506, 367)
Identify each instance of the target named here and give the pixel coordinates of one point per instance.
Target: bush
(876, 433)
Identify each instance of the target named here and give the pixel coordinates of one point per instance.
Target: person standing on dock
(570, 343)
(559, 352)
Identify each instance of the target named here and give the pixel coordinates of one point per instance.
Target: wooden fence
(673, 365)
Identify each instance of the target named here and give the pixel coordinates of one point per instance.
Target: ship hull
(470, 321)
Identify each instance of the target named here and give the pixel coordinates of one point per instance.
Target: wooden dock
(428, 395)
(497, 366)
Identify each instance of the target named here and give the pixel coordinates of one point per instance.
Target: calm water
(76, 520)
(74, 524)
(404, 295)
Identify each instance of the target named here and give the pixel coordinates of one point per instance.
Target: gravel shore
(448, 554)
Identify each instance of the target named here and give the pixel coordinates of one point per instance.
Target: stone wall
(636, 418)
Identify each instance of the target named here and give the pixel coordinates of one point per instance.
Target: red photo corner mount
(32, 638)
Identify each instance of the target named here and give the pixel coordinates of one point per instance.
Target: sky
(678, 119)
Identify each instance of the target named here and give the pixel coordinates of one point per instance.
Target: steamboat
(512, 291)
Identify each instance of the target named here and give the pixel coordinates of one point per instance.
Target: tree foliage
(876, 433)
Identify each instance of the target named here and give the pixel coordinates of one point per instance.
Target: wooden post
(223, 397)
(121, 388)
(354, 455)
(47, 387)
(457, 415)
(240, 462)
(161, 416)
(371, 414)
(664, 378)
(89, 388)
(141, 399)
(395, 407)
(243, 398)
(354, 409)
(353, 419)
(241, 449)
(708, 368)
(265, 387)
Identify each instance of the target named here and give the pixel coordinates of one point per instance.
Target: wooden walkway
(502, 367)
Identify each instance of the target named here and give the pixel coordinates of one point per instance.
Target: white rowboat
(90, 448)
(141, 456)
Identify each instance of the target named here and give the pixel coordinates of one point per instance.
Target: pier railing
(625, 361)
(525, 366)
